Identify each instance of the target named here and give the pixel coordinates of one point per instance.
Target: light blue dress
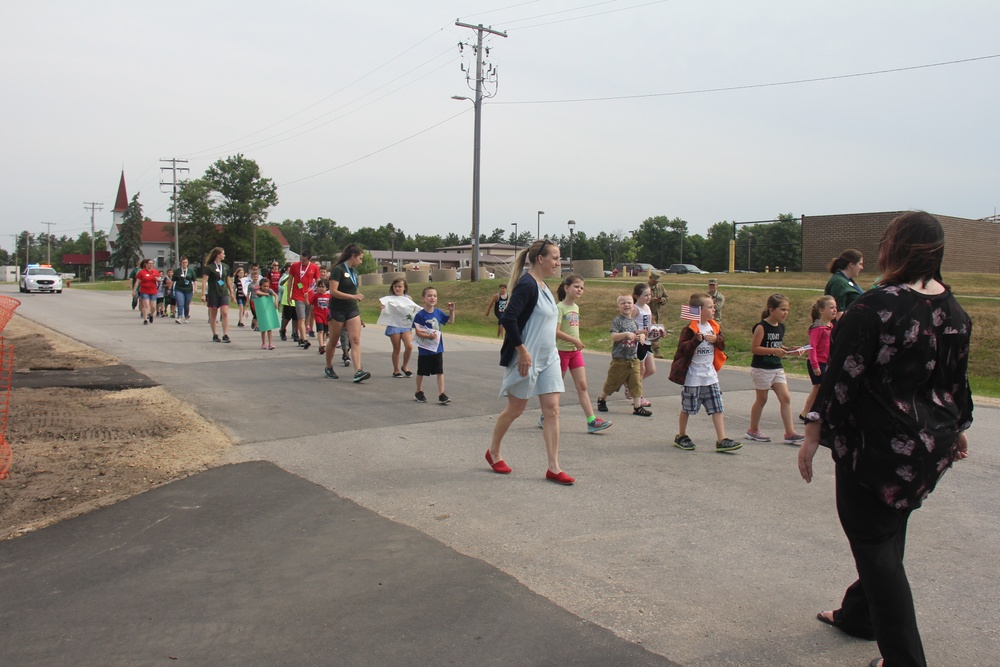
(545, 376)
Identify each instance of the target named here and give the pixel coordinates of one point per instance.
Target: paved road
(703, 558)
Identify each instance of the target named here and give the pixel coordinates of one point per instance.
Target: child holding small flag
(697, 361)
(624, 368)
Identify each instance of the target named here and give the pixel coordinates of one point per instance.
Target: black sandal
(641, 412)
(823, 619)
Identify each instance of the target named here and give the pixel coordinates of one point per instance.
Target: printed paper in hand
(692, 313)
(398, 311)
(430, 344)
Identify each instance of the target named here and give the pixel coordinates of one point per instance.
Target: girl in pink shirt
(824, 311)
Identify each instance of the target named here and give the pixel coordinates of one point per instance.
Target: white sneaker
(757, 436)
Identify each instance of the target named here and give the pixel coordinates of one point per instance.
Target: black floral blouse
(896, 392)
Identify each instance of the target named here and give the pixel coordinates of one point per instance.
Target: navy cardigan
(519, 308)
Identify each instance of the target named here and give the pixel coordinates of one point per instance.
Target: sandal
(641, 412)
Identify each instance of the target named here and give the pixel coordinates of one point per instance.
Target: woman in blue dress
(529, 355)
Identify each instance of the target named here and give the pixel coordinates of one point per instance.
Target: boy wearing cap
(717, 297)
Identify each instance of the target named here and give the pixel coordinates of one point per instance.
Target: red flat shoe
(561, 478)
(499, 466)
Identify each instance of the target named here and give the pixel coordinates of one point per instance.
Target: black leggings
(879, 603)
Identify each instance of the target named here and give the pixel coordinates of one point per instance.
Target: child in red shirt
(320, 302)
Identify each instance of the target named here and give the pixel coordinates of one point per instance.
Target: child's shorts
(624, 371)
(570, 360)
(692, 398)
(816, 379)
(241, 301)
(764, 378)
(430, 364)
(322, 327)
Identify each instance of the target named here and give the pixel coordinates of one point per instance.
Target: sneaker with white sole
(757, 436)
(420, 396)
(361, 376)
(794, 438)
(598, 425)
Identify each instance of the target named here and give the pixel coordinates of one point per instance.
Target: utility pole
(48, 243)
(27, 247)
(173, 183)
(477, 141)
(93, 206)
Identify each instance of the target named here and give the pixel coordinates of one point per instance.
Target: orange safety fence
(7, 307)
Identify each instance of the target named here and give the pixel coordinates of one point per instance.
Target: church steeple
(121, 202)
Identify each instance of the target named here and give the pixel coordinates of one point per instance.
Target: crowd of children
(299, 294)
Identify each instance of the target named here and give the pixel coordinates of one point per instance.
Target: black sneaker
(225, 338)
(602, 405)
(420, 397)
(727, 445)
(683, 442)
(307, 345)
(443, 398)
(150, 319)
(347, 361)
(216, 339)
(330, 373)
(361, 376)
(283, 335)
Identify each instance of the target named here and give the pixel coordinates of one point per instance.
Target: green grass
(745, 294)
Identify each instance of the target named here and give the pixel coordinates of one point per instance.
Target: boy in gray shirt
(624, 368)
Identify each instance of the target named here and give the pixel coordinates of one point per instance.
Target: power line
(756, 85)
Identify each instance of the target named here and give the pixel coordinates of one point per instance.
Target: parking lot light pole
(514, 225)
(572, 225)
(538, 232)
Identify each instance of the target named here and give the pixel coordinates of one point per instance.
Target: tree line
(228, 207)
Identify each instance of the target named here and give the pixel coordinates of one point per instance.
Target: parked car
(40, 278)
(635, 269)
(684, 268)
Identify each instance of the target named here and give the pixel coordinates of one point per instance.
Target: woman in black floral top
(894, 407)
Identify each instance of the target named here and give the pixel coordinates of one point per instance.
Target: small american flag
(692, 313)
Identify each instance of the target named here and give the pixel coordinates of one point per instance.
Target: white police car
(40, 278)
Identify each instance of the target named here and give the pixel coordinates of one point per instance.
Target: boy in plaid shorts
(696, 365)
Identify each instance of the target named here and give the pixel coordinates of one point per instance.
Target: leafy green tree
(241, 193)
(368, 264)
(715, 253)
(128, 247)
(197, 231)
(426, 243)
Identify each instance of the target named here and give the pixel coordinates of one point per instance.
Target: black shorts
(288, 313)
(816, 379)
(218, 300)
(322, 328)
(340, 316)
(430, 364)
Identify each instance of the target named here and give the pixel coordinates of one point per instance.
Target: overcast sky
(605, 112)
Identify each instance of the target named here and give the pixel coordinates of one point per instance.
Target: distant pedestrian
(345, 312)
(266, 306)
(529, 355)
(145, 287)
(571, 348)
(216, 291)
(427, 324)
(767, 372)
(184, 280)
(824, 311)
(841, 285)
(657, 299)
(718, 298)
(497, 305)
(625, 368)
(699, 358)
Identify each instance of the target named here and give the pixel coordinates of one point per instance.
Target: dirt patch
(75, 450)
